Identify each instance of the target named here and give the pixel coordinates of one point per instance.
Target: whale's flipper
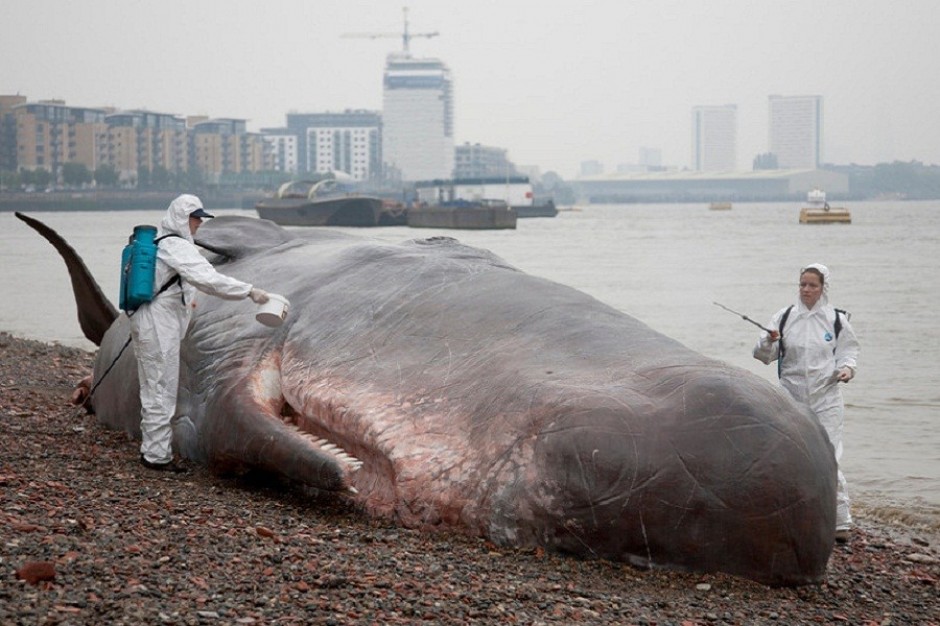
(95, 311)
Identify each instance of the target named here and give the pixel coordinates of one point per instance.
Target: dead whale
(437, 385)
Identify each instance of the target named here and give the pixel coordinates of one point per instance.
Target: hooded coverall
(158, 327)
(812, 359)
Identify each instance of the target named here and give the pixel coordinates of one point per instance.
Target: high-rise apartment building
(282, 147)
(136, 140)
(418, 118)
(795, 128)
(50, 134)
(347, 142)
(8, 131)
(714, 138)
(479, 161)
(223, 146)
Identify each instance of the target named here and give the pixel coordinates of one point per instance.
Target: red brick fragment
(264, 531)
(35, 572)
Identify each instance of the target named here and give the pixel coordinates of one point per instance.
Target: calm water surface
(666, 265)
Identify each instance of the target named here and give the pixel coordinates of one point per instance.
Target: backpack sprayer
(743, 317)
(138, 267)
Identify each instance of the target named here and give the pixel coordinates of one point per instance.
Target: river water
(665, 264)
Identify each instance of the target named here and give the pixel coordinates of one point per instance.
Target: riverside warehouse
(689, 186)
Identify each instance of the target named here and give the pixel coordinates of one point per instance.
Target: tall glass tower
(417, 118)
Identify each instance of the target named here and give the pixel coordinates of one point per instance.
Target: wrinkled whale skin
(439, 386)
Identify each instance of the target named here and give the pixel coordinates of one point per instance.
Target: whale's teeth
(353, 490)
(350, 460)
(329, 447)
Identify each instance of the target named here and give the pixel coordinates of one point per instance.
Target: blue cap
(200, 212)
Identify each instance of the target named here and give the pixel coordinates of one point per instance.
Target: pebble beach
(89, 536)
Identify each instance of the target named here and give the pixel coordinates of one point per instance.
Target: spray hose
(175, 278)
(110, 367)
(743, 317)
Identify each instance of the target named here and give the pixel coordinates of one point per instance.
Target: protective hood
(822, 269)
(176, 220)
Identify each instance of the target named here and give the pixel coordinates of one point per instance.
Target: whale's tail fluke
(95, 311)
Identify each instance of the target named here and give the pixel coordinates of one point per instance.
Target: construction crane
(406, 37)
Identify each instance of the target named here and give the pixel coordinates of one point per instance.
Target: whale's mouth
(299, 435)
(311, 432)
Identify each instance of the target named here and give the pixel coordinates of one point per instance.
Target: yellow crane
(406, 36)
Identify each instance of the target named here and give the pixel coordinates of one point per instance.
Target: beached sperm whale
(437, 385)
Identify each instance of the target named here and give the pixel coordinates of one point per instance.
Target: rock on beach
(35, 572)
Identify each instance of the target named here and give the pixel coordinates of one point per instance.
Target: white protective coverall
(158, 327)
(812, 359)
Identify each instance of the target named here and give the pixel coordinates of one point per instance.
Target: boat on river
(320, 203)
(463, 214)
(516, 191)
(818, 210)
(546, 208)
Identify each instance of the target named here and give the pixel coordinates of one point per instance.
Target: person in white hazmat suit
(814, 355)
(158, 327)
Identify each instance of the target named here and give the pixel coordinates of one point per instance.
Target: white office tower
(715, 138)
(795, 131)
(417, 118)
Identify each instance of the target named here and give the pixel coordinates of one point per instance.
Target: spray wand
(743, 317)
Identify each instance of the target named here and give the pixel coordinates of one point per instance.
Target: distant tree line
(552, 186)
(765, 161)
(910, 180)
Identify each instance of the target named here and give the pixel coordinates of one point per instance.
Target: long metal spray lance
(743, 317)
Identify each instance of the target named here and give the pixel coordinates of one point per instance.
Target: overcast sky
(555, 83)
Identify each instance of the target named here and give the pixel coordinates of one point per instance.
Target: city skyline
(553, 85)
